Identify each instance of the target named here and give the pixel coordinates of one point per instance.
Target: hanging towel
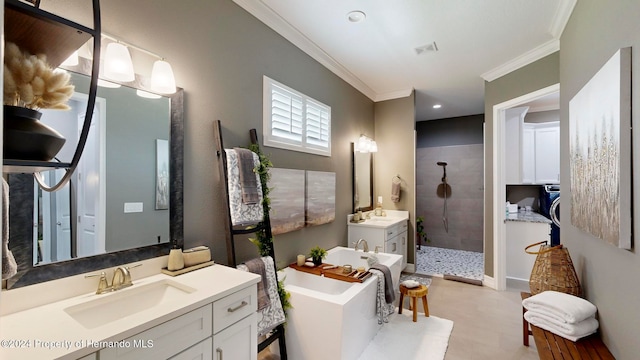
(383, 309)
(564, 307)
(395, 189)
(389, 291)
(248, 183)
(272, 315)
(256, 266)
(241, 213)
(9, 266)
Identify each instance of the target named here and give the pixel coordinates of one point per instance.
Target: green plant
(317, 254)
(421, 234)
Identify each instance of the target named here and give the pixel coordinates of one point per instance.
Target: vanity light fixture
(437, 106)
(72, 60)
(117, 63)
(118, 66)
(365, 145)
(107, 84)
(162, 79)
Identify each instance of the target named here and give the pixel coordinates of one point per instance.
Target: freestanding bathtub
(333, 319)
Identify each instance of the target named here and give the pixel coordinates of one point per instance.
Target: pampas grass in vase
(30, 85)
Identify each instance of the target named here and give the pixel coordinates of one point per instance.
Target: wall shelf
(41, 32)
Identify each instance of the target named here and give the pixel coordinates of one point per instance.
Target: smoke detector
(432, 47)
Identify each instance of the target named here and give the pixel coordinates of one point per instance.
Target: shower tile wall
(465, 204)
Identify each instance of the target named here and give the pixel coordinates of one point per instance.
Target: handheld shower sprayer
(444, 186)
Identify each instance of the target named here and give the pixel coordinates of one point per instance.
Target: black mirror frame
(22, 246)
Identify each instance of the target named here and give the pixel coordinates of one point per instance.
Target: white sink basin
(106, 308)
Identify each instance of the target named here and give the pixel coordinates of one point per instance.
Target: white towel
(241, 213)
(565, 307)
(572, 332)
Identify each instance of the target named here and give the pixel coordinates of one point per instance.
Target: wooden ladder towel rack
(263, 226)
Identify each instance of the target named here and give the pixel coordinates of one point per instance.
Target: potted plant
(30, 84)
(420, 233)
(317, 254)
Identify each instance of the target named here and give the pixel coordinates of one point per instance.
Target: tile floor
(438, 261)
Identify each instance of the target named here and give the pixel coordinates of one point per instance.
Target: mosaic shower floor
(439, 261)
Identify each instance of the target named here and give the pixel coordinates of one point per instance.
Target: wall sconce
(365, 145)
(118, 66)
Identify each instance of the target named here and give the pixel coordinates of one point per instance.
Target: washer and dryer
(550, 208)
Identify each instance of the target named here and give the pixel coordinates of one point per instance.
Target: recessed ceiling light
(437, 106)
(356, 16)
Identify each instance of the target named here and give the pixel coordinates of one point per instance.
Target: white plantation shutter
(295, 121)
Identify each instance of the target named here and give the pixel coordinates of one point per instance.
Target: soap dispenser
(378, 210)
(176, 261)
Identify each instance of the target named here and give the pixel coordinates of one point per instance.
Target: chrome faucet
(121, 279)
(365, 246)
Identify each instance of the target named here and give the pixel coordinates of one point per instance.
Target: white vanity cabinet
(224, 329)
(520, 233)
(388, 233)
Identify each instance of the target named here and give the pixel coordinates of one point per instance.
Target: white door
(63, 219)
(88, 239)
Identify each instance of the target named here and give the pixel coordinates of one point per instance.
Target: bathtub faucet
(365, 246)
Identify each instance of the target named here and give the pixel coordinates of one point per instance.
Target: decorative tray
(334, 273)
(187, 269)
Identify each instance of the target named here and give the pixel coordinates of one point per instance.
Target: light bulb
(118, 64)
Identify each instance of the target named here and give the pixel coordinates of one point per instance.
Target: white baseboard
(411, 268)
(488, 281)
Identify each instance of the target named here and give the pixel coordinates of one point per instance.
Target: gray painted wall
(535, 76)
(219, 53)
(609, 275)
(542, 116)
(395, 135)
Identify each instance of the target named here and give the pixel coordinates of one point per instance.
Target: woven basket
(553, 270)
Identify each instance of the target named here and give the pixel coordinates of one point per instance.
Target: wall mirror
(362, 180)
(123, 205)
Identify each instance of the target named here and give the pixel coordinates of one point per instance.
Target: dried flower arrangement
(31, 83)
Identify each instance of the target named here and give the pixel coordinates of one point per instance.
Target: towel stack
(562, 314)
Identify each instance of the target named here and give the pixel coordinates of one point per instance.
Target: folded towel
(241, 213)
(256, 266)
(9, 266)
(395, 189)
(383, 309)
(248, 183)
(572, 332)
(566, 307)
(389, 291)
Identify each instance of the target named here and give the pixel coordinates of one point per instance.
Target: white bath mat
(401, 338)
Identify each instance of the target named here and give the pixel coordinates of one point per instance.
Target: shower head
(442, 163)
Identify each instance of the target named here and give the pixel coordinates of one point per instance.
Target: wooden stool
(415, 293)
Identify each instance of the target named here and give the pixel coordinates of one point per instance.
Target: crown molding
(393, 95)
(274, 21)
(527, 58)
(561, 17)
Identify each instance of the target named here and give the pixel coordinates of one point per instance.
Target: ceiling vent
(433, 47)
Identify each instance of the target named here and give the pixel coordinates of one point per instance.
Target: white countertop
(393, 217)
(48, 332)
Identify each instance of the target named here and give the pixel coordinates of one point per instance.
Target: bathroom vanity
(389, 232)
(206, 314)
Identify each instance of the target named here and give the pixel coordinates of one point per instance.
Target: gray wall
(542, 116)
(219, 53)
(395, 135)
(535, 76)
(458, 141)
(609, 275)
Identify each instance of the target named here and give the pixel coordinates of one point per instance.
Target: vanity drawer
(166, 339)
(235, 307)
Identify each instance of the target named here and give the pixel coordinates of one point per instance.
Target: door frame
(499, 183)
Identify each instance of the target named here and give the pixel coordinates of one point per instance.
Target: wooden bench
(552, 346)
